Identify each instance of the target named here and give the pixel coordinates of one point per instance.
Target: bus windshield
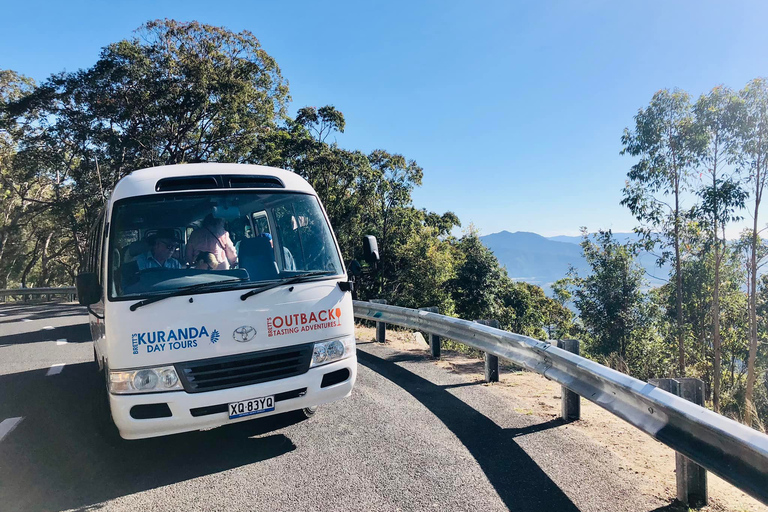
(162, 243)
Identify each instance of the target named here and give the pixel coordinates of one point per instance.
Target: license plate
(252, 406)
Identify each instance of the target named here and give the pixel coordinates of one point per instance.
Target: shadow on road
(77, 333)
(519, 481)
(672, 507)
(38, 311)
(55, 459)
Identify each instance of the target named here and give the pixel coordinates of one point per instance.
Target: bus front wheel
(308, 412)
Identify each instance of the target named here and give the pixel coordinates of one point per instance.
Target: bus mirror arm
(91, 311)
(347, 286)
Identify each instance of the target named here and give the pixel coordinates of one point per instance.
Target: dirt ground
(538, 396)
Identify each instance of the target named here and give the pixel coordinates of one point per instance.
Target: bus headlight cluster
(329, 351)
(145, 380)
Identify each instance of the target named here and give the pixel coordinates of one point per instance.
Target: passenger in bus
(205, 261)
(162, 245)
(212, 237)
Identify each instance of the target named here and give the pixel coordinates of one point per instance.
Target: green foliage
(31, 250)
(668, 143)
(609, 300)
(430, 265)
(478, 282)
(177, 92)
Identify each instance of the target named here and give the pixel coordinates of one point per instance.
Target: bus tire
(308, 412)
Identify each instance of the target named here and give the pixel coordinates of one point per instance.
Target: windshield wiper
(183, 291)
(290, 280)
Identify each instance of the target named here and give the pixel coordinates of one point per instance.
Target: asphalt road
(411, 437)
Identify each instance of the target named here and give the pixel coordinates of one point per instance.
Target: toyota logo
(244, 333)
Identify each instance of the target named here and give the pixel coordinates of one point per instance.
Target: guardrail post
(691, 478)
(434, 339)
(491, 361)
(570, 402)
(381, 327)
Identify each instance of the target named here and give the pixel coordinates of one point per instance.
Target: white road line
(7, 425)
(62, 341)
(48, 328)
(55, 369)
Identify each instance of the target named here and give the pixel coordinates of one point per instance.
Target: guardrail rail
(734, 452)
(70, 291)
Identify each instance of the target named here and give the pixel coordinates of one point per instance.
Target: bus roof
(145, 181)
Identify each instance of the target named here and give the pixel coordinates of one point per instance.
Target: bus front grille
(244, 369)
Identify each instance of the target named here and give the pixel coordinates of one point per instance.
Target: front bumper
(181, 403)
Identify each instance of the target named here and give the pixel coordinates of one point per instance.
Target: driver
(163, 243)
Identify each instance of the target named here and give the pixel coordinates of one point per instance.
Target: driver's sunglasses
(170, 245)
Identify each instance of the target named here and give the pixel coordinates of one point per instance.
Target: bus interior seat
(258, 258)
(132, 250)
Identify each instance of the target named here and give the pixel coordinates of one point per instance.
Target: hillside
(532, 258)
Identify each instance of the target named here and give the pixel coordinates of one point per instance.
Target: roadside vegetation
(189, 92)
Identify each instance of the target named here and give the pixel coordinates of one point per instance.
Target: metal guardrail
(735, 452)
(30, 292)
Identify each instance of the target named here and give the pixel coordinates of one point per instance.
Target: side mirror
(370, 249)
(88, 289)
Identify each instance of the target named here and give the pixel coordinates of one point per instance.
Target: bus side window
(100, 245)
(261, 223)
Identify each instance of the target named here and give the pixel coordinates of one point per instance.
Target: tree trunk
(30, 264)
(679, 284)
(753, 305)
(3, 242)
(716, 298)
(45, 262)
(716, 328)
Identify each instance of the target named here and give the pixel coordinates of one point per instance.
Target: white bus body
(187, 349)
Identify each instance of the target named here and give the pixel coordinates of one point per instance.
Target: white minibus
(216, 294)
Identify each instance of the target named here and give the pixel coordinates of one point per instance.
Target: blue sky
(514, 109)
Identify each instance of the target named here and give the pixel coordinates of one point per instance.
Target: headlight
(145, 380)
(329, 351)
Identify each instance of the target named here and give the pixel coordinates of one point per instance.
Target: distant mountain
(542, 261)
(621, 237)
(532, 258)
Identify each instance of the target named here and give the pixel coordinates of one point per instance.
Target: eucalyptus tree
(174, 93)
(667, 143)
(478, 282)
(609, 299)
(716, 117)
(753, 139)
(390, 214)
(27, 196)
